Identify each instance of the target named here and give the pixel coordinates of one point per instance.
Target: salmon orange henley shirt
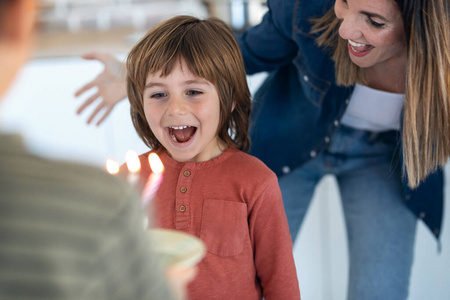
(233, 204)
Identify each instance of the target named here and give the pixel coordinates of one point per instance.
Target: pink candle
(154, 180)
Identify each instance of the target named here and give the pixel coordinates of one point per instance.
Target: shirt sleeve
(272, 244)
(269, 45)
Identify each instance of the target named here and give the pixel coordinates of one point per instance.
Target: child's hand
(110, 84)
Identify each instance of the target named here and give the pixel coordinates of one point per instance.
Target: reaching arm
(270, 45)
(110, 84)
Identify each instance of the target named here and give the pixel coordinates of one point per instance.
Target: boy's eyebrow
(152, 84)
(193, 81)
(197, 81)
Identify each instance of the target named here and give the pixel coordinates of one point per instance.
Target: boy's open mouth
(182, 134)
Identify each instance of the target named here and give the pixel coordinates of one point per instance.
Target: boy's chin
(178, 155)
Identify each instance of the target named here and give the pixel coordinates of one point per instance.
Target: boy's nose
(176, 106)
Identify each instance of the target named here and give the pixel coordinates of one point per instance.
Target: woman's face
(374, 31)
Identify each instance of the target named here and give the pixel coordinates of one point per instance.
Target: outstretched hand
(110, 84)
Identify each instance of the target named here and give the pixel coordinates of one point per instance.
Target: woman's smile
(358, 49)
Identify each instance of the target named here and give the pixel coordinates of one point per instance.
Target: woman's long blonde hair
(426, 121)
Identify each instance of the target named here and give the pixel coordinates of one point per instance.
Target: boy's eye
(157, 95)
(193, 93)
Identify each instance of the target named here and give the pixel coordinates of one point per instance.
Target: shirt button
(347, 101)
(286, 170)
(305, 78)
(183, 189)
(336, 123)
(187, 173)
(422, 215)
(182, 208)
(407, 197)
(312, 154)
(436, 232)
(327, 139)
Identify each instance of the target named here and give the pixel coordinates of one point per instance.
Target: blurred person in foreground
(67, 231)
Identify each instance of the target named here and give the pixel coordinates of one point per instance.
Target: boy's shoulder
(249, 163)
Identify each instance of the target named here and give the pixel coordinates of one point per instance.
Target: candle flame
(155, 163)
(133, 163)
(112, 166)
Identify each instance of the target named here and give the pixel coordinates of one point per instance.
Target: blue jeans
(380, 228)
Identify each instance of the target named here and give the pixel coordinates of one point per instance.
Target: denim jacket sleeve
(269, 45)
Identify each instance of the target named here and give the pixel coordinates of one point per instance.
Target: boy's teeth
(173, 137)
(179, 127)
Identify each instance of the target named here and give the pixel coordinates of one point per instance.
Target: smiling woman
(408, 50)
(376, 29)
(373, 75)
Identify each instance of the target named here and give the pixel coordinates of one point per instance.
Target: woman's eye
(193, 92)
(376, 24)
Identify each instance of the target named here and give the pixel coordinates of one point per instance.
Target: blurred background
(41, 106)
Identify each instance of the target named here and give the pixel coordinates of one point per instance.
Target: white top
(373, 110)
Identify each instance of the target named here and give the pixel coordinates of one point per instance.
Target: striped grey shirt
(69, 231)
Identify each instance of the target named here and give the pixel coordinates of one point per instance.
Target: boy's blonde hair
(210, 51)
(426, 122)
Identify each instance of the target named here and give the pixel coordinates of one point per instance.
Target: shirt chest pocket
(224, 227)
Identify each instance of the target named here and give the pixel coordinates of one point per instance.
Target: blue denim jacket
(299, 106)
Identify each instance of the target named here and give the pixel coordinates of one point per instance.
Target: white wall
(42, 107)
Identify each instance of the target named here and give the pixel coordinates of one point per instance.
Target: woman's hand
(110, 84)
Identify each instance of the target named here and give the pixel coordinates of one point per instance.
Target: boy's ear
(233, 105)
(17, 20)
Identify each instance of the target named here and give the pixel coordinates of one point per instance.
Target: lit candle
(134, 166)
(112, 166)
(154, 180)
